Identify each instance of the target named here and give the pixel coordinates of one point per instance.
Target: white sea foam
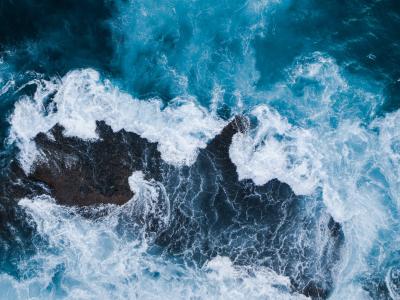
(150, 200)
(275, 149)
(82, 98)
(331, 147)
(89, 259)
(343, 162)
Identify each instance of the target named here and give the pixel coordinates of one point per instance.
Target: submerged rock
(211, 211)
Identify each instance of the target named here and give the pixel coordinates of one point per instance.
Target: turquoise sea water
(320, 81)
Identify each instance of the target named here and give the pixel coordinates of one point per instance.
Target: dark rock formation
(92, 172)
(212, 212)
(216, 214)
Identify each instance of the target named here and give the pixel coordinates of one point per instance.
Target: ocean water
(319, 82)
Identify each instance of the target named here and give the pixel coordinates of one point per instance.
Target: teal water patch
(319, 80)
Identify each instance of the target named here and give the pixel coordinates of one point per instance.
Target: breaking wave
(320, 122)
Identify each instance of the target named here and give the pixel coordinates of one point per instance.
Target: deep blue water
(327, 72)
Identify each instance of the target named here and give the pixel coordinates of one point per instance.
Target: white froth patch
(82, 98)
(93, 260)
(356, 175)
(275, 149)
(389, 139)
(263, 283)
(150, 198)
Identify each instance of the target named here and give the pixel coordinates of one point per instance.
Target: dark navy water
(320, 81)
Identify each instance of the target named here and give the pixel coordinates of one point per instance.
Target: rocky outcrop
(92, 172)
(84, 173)
(211, 211)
